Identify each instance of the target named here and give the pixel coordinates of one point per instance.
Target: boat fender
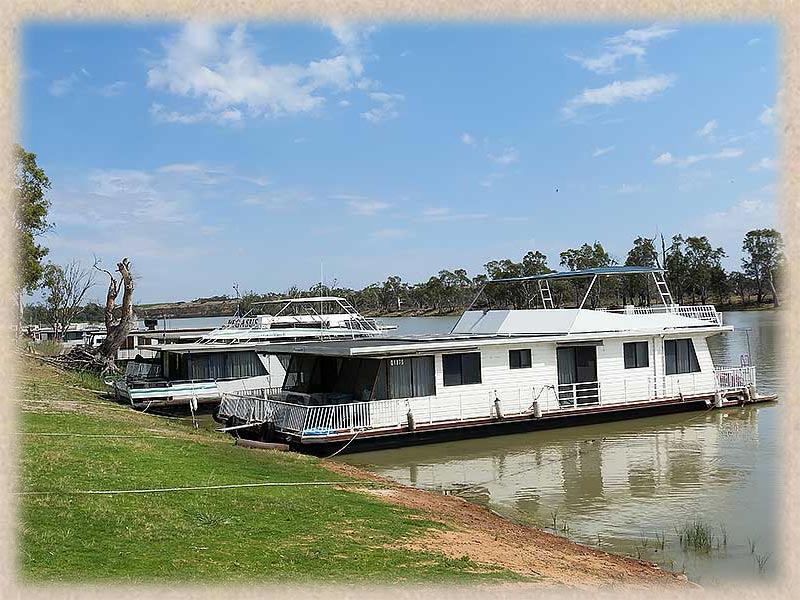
(537, 410)
(718, 400)
(709, 402)
(751, 392)
(410, 418)
(193, 404)
(498, 410)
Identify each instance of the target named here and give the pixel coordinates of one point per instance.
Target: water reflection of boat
(500, 370)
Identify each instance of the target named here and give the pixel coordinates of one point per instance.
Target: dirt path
(488, 538)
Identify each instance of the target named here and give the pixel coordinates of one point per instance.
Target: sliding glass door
(577, 375)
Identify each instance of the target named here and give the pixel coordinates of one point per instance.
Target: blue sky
(251, 153)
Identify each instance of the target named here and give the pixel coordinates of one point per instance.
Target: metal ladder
(663, 289)
(544, 290)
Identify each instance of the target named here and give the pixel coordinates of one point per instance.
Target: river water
(630, 487)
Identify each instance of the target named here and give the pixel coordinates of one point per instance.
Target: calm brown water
(626, 486)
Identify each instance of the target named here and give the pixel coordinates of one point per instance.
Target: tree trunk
(117, 333)
(775, 299)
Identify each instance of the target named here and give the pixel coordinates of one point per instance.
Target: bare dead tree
(102, 360)
(117, 329)
(66, 288)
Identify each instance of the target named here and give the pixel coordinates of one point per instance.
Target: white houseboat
(235, 357)
(498, 371)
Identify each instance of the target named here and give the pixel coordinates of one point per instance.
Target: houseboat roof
(575, 326)
(617, 270)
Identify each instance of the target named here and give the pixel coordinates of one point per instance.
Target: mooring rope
(192, 488)
(345, 446)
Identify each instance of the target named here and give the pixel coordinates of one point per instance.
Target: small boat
(500, 370)
(234, 357)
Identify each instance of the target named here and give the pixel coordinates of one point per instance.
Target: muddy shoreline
(488, 538)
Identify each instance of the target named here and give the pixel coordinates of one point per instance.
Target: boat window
(406, 377)
(357, 377)
(680, 357)
(636, 355)
(298, 375)
(577, 364)
(462, 369)
(519, 359)
(224, 365)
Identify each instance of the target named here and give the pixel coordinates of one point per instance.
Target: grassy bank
(360, 529)
(267, 533)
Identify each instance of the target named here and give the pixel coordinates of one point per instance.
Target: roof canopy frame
(546, 277)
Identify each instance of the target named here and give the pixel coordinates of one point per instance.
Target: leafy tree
(30, 221)
(763, 250)
(588, 256)
(704, 268)
(643, 254)
(740, 284)
(677, 266)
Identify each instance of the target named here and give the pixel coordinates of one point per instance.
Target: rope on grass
(193, 488)
(90, 435)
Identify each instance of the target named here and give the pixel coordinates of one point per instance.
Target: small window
(462, 369)
(636, 355)
(680, 357)
(519, 359)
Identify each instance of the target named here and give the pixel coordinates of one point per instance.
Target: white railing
(735, 378)
(573, 395)
(704, 312)
(268, 405)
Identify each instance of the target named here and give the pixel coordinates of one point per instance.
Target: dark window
(519, 359)
(462, 369)
(636, 355)
(680, 357)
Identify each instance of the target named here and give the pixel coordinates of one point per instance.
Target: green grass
(279, 534)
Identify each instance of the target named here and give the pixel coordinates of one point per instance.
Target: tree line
(694, 274)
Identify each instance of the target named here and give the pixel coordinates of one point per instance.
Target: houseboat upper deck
(499, 370)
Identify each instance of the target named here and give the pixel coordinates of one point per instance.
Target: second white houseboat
(236, 356)
(498, 371)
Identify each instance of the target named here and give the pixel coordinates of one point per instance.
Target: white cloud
(753, 41)
(367, 208)
(62, 87)
(630, 188)
(113, 89)
(445, 214)
(390, 234)
(602, 151)
(765, 164)
(633, 43)
(226, 116)
(636, 90)
(386, 109)
(280, 200)
(729, 226)
(668, 159)
(467, 139)
(182, 168)
(767, 116)
(226, 73)
(707, 130)
(506, 157)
